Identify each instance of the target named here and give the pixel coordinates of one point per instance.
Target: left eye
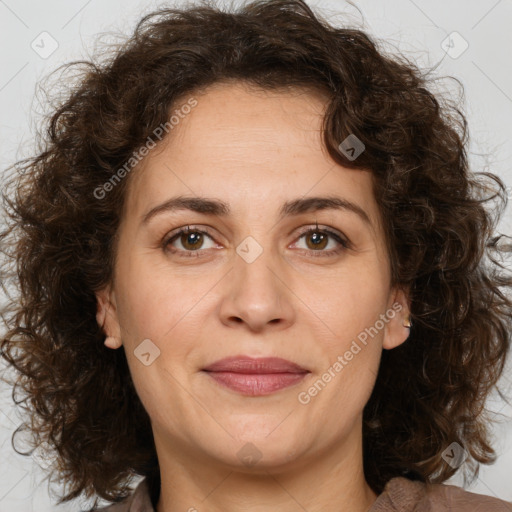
(319, 240)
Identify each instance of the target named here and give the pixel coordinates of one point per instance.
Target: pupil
(317, 238)
(192, 238)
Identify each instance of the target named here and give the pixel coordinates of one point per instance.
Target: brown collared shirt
(399, 495)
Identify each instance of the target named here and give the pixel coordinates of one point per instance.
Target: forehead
(231, 116)
(250, 146)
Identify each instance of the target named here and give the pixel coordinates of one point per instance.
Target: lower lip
(256, 384)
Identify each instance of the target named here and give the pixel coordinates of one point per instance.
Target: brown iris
(319, 239)
(194, 238)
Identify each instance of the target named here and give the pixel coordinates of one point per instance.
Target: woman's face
(254, 284)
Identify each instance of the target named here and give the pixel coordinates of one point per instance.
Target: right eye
(191, 240)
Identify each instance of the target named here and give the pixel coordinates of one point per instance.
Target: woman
(254, 268)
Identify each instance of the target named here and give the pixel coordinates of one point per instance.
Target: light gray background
(417, 28)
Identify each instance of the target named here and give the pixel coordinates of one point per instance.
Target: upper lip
(260, 365)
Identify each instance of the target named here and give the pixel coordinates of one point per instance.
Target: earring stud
(407, 322)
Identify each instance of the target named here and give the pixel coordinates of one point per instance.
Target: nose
(257, 295)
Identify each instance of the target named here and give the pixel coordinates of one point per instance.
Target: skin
(254, 150)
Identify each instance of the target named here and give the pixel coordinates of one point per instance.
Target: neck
(329, 482)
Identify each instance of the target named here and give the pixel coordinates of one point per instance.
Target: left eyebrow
(221, 209)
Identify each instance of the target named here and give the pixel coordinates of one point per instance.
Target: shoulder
(404, 495)
(454, 498)
(138, 501)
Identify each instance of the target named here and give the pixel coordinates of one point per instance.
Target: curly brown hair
(440, 221)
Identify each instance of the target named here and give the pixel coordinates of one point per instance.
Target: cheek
(164, 318)
(153, 302)
(350, 354)
(351, 346)
(352, 301)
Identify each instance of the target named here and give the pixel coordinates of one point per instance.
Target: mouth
(255, 376)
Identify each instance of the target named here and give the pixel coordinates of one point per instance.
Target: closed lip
(255, 365)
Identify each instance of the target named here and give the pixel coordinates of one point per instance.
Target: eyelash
(197, 253)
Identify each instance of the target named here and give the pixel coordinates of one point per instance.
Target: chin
(259, 452)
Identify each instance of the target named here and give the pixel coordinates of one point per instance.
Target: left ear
(396, 330)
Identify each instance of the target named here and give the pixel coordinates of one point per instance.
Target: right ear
(106, 316)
